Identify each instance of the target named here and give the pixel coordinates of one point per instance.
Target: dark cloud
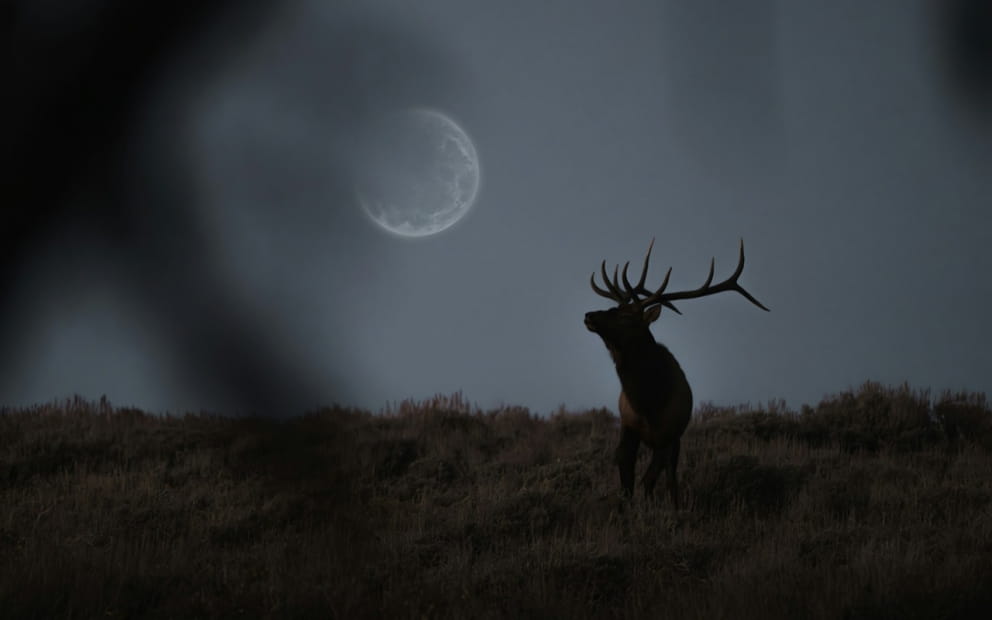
(91, 165)
(966, 40)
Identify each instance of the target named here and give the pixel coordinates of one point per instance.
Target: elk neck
(630, 354)
(646, 369)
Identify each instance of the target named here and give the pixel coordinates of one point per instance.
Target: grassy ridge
(875, 503)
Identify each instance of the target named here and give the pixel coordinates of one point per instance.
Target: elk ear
(651, 314)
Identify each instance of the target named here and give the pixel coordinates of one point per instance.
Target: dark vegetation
(875, 503)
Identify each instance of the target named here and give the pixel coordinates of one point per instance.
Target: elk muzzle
(592, 324)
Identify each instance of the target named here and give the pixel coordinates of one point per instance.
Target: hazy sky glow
(823, 134)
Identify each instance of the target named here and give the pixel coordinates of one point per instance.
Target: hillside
(875, 503)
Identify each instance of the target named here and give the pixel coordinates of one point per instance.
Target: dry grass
(874, 504)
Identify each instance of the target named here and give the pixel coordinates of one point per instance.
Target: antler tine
(664, 284)
(730, 284)
(616, 284)
(626, 282)
(633, 291)
(751, 298)
(655, 297)
(599, 291)
(606, 280)
(613, 293)
(740, 263)
(709, 278)
(644, 270)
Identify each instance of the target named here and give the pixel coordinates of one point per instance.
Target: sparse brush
(874, 503)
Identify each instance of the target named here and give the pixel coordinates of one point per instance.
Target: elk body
(655, 398)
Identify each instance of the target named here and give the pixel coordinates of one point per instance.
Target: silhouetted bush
(872, 418)
(965, 417)
(744, 423)
(741, 482)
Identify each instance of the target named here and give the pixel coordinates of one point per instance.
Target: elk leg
(654, 470)
(626, 458)
(673, 482)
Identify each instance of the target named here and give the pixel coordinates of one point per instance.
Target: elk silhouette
(655, 399)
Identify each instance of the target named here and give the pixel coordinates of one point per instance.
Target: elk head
(637, 307)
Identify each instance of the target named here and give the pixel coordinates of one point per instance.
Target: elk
(655, 398)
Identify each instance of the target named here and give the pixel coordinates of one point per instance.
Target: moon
(418, 173)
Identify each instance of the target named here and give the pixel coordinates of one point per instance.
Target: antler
(630, 293)
(730, 284)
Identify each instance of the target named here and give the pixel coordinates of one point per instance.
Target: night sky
(848, 143)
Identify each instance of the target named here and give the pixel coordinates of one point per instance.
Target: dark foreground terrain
(873, 504)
